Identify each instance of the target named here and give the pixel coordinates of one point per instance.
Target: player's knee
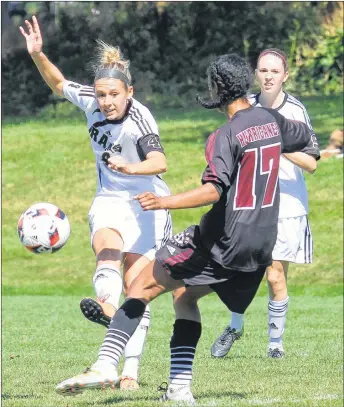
(275, 276)
(129, 278)
(140, 289)
(185, 299)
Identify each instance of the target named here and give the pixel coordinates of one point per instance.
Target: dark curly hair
(233, 77)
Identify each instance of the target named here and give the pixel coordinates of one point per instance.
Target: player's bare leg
(278, 306)
(185, 302)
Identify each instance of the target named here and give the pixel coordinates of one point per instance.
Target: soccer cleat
(275, 353)
(95, 311)
(98, 376)
(128, 383)
(180, 394)
(225, 341)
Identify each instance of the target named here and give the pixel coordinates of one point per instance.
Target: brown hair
(278, 53)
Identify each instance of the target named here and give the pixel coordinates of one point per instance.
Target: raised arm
(50, 73)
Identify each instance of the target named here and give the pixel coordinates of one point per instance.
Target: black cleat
(275, 353)
(94, 312)
(225, 341)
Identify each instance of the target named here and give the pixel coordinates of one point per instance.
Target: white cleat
(98, 376)
(180, 394)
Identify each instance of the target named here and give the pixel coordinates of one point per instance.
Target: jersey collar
(280, 106)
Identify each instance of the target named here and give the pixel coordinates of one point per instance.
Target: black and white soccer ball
(43, 228)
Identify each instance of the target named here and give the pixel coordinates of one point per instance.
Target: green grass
(49, 341)
(42, 327)
(52, 161)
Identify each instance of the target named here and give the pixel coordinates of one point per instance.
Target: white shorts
(142, 232)
(294, 241)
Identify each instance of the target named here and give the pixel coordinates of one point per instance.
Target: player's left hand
(149, 201)
(118, 164)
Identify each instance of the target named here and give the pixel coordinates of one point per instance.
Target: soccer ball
(43, 228)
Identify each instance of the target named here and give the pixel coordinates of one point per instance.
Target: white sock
(237, 321)
(277, 311)
(134, 348)
(108, 284)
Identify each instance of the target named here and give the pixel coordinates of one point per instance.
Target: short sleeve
(296, 135)
(147, 144)
(300, 114)
(80, 95)
(220, 162)
(312, 147)
(144, 121)
(146, 135)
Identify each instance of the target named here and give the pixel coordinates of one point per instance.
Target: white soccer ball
(43, 228)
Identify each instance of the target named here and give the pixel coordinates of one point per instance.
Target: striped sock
(122, 327)
(183, 344)
(134, 349)
(277, 312)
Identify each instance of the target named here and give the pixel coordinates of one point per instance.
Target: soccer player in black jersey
(231, 247)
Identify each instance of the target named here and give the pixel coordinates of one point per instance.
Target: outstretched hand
(34, 40)
(149, 201)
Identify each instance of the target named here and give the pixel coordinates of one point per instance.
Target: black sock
(183, 344)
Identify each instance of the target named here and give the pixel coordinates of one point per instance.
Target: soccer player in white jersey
(294, 240)
(129, 158)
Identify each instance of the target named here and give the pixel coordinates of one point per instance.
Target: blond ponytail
(109, 57)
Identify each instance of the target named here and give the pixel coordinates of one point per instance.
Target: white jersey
(293, 192)
(132, 137)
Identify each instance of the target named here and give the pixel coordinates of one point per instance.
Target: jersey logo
(154, 142)
(74, 85)
(170, 249)
(115, 148)
(181, 239)
(314, 141)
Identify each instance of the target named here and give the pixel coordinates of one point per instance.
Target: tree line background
(170, 45)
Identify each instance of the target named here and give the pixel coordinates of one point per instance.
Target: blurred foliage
(170, 45)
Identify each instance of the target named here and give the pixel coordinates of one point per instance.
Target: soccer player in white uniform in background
(129, 158)
(294, 240)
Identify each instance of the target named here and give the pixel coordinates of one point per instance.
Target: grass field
(49, 341)
(45, 339)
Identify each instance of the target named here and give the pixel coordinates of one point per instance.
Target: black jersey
(243, 160)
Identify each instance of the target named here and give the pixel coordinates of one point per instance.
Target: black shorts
(183, 259)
